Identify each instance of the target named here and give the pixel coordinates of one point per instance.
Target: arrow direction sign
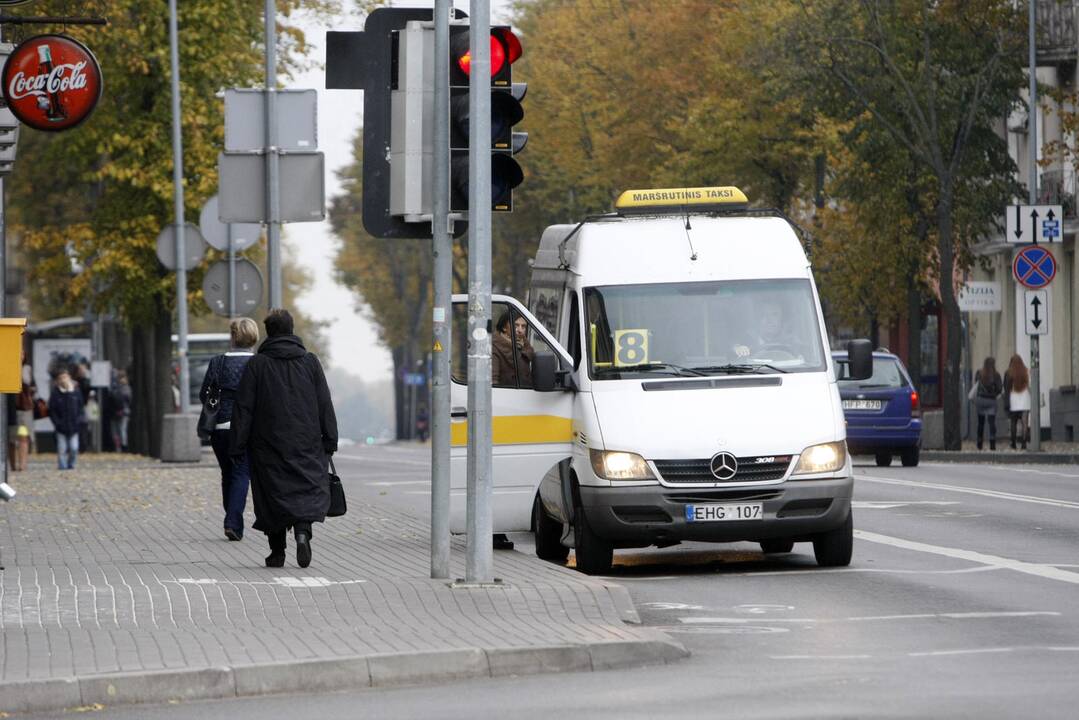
(1033, 224)
(1037, 307)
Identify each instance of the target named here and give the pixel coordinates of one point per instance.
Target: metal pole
(442, 241)
(232, 271)
(273, 160)
(178, 204)
(1032, 124)
(480, 553)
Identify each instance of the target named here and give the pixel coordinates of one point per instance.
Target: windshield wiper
(664, 367)
(738, 368)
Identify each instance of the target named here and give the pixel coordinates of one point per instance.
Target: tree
(109, 181)
(933, 78)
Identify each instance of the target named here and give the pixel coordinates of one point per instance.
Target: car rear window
(886, 374)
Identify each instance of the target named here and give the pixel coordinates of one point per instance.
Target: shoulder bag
(338, 506)
(208, 416)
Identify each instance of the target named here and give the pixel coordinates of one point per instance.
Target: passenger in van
(507, 371)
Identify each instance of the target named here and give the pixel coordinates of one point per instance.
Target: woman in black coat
(283, 419)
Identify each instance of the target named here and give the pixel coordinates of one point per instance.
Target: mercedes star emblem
(724, 465)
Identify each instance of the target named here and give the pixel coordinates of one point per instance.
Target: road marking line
(891, 504)
(871, 618)
(822, 571)
(1048, 572)
(400, 482)
(1012, 469)
(973, 491)
(820, 657)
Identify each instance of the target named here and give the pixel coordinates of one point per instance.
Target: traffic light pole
(1032, 124)
(478, 563)
(442, 240)
(178, 202)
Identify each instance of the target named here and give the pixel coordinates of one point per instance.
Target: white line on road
(870, 618)
(1014, 469)
(935, 653)
(823, 571)
(973, 491)
(1044, 571)
(401, 482)
(891, 504)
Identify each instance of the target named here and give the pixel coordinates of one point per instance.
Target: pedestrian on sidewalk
(283, 418)
(986, 390)
(225, 371)
(1017, 395)
(65, 411)
(120, 411)
(21, 425)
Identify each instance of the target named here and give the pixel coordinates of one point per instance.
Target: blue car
(884, 417)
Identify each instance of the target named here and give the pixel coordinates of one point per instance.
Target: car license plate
(715, 513)
(861, 404)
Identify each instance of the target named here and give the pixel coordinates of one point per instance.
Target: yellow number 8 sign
(630, 347)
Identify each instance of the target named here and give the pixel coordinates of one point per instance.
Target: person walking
(21, 424)
(1017, 392)
(283, 418)
(65, 411)
(120, 406)
(986, 390)
(224, 372)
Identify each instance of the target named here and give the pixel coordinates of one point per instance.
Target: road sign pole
(478, 564)
(232, 272)
(178, 203)
(442, 239)
(1032, 151)
(273, 161)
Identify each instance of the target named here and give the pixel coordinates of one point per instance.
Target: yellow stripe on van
(520, 430)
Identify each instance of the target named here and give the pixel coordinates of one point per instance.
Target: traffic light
(506, 111)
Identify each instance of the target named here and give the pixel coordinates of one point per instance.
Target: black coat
(283, 418)
(65, 410)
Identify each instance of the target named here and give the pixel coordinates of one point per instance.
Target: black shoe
(275, 560)
(303, 549)
(501, 542)
(233, 534)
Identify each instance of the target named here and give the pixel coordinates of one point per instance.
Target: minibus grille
(750, 469)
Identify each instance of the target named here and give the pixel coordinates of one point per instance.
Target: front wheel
(910, 456)
(548, 535)
(835, 547)
(594, 554)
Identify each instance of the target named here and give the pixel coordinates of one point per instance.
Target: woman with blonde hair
(224, 373)
(1017, 393)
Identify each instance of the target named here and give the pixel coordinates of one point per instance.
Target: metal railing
(1058, 38)
(1057, 187)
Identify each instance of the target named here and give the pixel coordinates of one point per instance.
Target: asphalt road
(962, 601)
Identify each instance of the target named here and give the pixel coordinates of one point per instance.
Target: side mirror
(859, 360)
(545, 372)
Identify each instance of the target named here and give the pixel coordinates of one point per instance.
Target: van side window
(514, 344)
(573, 339)
(545, 303)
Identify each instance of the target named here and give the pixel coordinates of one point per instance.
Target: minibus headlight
(616, 465)
(827, 457)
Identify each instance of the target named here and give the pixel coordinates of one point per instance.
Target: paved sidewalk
(120, 587)
(1051, 453)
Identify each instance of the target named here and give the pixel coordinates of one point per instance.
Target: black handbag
(208, 416)
(338, 506)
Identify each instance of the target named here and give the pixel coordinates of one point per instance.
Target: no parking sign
(1034, 266)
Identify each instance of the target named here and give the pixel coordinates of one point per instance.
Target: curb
(998, 458)
(347, 673)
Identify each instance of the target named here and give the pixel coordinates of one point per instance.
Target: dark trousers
(277, 538)
(1016, 418)
(235, 479)
(992, 430)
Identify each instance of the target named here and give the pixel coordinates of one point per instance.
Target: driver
(768, 330)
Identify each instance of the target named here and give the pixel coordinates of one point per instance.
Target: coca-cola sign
(51, 82)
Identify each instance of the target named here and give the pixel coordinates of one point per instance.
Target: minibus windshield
(702, 328)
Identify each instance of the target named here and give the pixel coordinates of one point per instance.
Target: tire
(835, 547)
(910, 456)
(548, 533)
(594, 554)
(884, 459)
(776, 546)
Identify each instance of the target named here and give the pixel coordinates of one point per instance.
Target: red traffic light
(498, 55)
(512, 43)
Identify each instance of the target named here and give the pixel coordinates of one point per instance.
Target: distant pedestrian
(284, 419)
(65, 411)
(986, 390)
(1017, 395)
(21, 424)
(120, 411)
(225, 371)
